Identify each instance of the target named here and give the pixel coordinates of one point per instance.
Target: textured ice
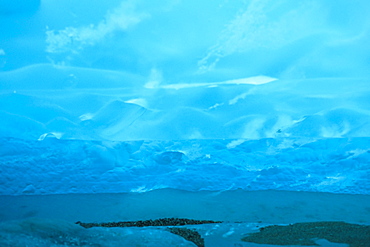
(241, 212)
(134, 96)
(120, 111)
(252, 112)
(45, 233)
(57, 166)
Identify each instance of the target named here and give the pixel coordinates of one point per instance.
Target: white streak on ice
(255, 80)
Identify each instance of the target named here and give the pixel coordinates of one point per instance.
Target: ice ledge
(52, 166)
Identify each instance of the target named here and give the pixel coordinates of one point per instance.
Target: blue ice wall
(80, 81)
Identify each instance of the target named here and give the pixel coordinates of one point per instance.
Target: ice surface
(45, 233)
(52, 216)
(267, 207)
(80, 108)
(226, 95)
(253, 112)
(57, 166)
(40, 232)
(18, 7)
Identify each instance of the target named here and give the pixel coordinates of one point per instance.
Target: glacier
(210, 102)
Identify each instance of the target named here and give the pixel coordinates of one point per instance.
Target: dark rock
(188, 234)
(305, 234)
(143, 223)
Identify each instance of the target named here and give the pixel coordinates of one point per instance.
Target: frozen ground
(53, 216)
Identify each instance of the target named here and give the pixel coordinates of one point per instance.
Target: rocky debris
(188, 234)
(305, 234)
(142, 223)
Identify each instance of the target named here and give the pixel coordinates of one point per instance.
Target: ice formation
(226, 95)
(247, 109)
